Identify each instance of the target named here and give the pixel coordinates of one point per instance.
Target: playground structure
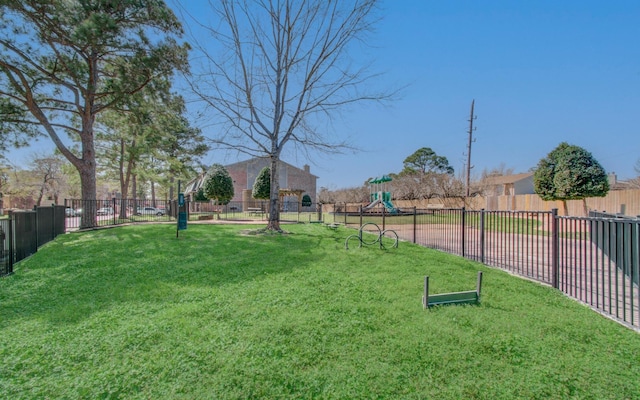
(379, 195)
(378, 239)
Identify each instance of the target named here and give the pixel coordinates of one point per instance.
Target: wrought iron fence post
(360, 212)
(462, 224)
(555, 248)
(384, 209)
(482, 235)
(12, 243)
(415, 223)
(113, 207)
(345, 213)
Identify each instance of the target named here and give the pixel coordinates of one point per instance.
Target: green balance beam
(471, 296)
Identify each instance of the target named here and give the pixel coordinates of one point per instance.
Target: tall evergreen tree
(262, 184)
(63, 62)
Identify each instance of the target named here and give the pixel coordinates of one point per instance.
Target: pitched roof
(506, 179)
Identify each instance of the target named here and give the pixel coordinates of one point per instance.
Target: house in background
(294, 182)
(508, 185)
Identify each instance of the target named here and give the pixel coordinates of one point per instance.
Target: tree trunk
(274, 198)
(153, 193)
(134, 192)
(40, 196)
(88, 189)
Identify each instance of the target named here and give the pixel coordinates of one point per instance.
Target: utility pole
(471, 140)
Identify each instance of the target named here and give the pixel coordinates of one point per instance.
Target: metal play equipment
(469, 296)
(379, 195)
(378, 239)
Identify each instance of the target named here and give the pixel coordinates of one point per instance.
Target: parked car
(70, 212)
(105, 211)
(150, 211)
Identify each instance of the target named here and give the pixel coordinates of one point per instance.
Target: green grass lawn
(134, 313)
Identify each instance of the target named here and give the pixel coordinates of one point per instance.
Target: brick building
(293, 181)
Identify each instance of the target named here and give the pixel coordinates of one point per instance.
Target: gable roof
(507, 179)
(266, 159)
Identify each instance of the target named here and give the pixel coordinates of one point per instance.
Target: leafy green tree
(151, 140)
(425, 175)
(262, 184)
(200, 196)
(285, 66)
(425, 160)
(570, 172)
(218, 184)
(62, 63)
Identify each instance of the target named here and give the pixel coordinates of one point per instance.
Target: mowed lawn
(136, 313)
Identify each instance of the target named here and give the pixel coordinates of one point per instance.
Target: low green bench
(471, 296)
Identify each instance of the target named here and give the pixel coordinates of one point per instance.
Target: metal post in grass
(384, 209)
(12, 243)
(415, 223)
(482, 235)
(113, 207)
(345, 213)
(462, 224)
(554, 249)
(360, 212)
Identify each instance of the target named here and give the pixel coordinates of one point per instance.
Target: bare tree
(635, 182)
(284, 69)
(47, 174)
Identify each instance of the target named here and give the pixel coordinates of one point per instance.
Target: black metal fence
(25, 231)
(290, 211)
(593, 259)
(6, 247)
(116, 212)
(124, 211)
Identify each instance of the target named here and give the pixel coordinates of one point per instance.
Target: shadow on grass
(81, 274)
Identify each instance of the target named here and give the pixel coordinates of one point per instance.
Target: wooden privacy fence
(626, 202)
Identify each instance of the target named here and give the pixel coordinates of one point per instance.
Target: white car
(150, 211)
(105, 211)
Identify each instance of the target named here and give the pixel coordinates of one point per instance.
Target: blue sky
(541, 72)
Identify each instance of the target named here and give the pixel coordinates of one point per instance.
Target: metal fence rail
(117, 212)
(595, 260)
(598, 263)
(6, 247)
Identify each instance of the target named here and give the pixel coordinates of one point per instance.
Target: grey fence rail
(595, 259)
